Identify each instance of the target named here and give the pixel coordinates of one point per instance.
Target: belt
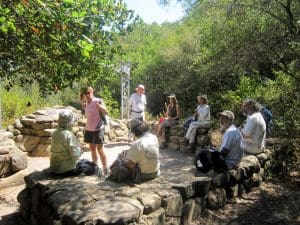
(136, 111)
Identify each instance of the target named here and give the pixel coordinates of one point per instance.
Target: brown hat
(203, 97)
(227, 114)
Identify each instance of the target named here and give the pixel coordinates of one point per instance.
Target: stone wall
(177, 140)
(12, 159)
(32, 133)
(179, 196)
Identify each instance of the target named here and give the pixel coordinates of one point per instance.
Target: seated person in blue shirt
(230, 153)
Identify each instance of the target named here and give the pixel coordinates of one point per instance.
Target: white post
(125, 89)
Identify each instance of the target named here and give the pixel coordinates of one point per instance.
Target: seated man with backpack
(230, 153)
(141, 161)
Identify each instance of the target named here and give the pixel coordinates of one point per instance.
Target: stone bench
(180, 195)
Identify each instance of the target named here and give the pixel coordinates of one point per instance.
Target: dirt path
(274, 202)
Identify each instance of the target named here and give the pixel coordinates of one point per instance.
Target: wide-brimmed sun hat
(140, 86)
(66, 118)
(172, 96)
(203, 97)
(228, 114)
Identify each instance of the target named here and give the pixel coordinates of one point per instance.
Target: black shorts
(94, 137)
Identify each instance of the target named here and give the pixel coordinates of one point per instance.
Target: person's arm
(82, 100)
(206, 113)
(74, 148)
(167, 112)
(177, 112)
(132, 156)
(224, 151)
(248, 129)
(244, 135)
(102, 108)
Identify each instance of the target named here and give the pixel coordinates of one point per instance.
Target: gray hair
(252, 105)
(138, 127)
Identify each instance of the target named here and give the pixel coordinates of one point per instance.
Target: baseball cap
(227, 114)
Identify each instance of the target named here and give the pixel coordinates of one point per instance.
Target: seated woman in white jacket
(203, 121)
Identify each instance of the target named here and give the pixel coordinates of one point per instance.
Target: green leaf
(69, 1)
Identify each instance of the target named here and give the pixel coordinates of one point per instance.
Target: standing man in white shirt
(137, 103)
(254, 132)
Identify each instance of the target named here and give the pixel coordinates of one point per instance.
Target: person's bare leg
(93, 153)
(158, 131)
(103, 158)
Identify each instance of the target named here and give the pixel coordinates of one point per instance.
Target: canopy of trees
(58, 42)
(226, 49)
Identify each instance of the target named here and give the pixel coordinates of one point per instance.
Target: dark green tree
(58, 42)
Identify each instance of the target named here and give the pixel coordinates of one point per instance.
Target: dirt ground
(276, 201)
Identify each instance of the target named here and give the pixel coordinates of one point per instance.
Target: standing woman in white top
(203, 121)
(137, 103)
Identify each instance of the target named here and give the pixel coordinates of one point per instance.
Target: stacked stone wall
(177, 140)
(178, 196)
(32, 133)
(12, 159)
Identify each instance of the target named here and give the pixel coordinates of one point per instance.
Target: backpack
(119, 171)
(104, 117)
(268, 117)
(88, 168)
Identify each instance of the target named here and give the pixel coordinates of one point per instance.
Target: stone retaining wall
(177, 140)
(179, 196)
(12, 159)
(32, 133)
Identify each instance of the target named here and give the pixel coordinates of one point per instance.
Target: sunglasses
(87, 92)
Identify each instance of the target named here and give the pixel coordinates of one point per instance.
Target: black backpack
(88, 168)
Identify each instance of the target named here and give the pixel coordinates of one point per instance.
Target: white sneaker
(199, 164)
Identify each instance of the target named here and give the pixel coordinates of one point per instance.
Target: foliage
(279, 94)
(110, 103)
(229, 50)
(19, 101)
(58, 42)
